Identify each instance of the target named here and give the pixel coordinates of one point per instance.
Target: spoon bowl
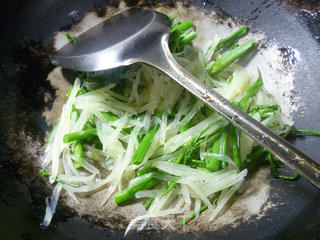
(121, 40)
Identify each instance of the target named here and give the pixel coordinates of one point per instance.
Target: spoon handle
(278, 146)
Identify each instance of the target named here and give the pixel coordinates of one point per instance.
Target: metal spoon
(139, 35)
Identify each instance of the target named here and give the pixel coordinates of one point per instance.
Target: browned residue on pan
(311, 5)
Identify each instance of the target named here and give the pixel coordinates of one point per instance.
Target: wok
(27, 29)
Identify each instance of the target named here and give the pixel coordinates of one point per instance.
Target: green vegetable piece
(236, 153)
(182, 154)
(185, 39)
(76, 111)
(89, 123)
(82, 90)
(144, 146)
(263, 108)
(257, 153)
(202, 209)
(191, 146)
(170, 187)
(81, 135)
(51, 133)
(198, 162)
(212, 163)
(110, 116)
(234, 46)
(219, 147)
(305, 131)
(148, 203)
(181, 34)
(70, 90)
(229, 80)
(45, 173)
(144, 170)
(127, 131)
(78, 151)
(229, 57)
(129, 193)
(204, 170)
(95, 141)
(191, 123)
(250, 93)
(183, 27)
(228, 41)
(264, 111)
(71, 38)
(274, 170)
(223, 147)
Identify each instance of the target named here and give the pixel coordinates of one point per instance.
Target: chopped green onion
(148, 203)
(51, 133)
(236, 153)
(229, 57)
(110, 116)
(274, 170)
(70, 90)
(228, 41)
(229, 80)
(144, 170)
(170, 187)
(80, 135)
(198, 162)
(89, 122)
(45, 173)
(305, 131)
(250, 93)
(202, 209)
(144, 146)
(78, 152)
(212, 163)
(129, 193)
(71, 38)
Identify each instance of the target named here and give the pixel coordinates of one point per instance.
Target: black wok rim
(300, 212)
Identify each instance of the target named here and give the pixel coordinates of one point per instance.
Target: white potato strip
(197, 206)
(219, 157)
(135, 84)
(70, 165)
(147, 193)
(182, 138)
(84, 115)
(223, 199)
(186, 194)
(191, 114)
(51, 205)
(77, 179)
(162, 213)
(215, 185)
(120, 166)
(63, 128)
(86, 165)
(71, 194)
(138, 179)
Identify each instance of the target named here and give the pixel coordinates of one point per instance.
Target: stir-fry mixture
(139, 134)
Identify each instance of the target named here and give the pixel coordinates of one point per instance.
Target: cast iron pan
(26, 29)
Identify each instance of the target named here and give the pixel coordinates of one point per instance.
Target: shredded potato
(142, 114)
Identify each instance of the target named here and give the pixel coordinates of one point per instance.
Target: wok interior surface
(27, 28)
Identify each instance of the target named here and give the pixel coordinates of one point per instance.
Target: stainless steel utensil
(139, 35)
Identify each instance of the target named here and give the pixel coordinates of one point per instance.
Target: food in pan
(140, 135)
